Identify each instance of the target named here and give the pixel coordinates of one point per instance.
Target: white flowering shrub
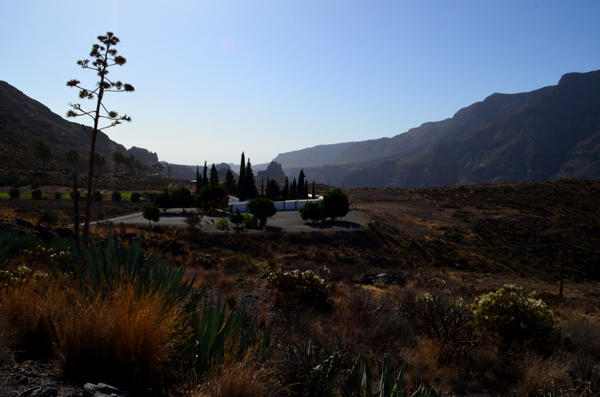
(514, 315)
(12, 278)
(304, 286)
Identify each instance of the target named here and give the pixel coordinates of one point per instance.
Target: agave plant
(214, 333)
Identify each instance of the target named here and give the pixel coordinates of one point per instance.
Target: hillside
(546, 134)
(24, 120)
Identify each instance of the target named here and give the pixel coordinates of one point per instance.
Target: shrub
(312, 211)
(97, 196)
(222, 224)
(116, 196)
(335, 204)
(515, 316)
(305, 286)
(249, 221)
(135, 197)
(152, 213)
(57, 196)
(36, 194)
(236, 217)
(75, 194)
(262, 208)
(14, 193)
(48, 216)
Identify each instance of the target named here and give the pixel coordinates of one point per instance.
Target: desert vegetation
(397, 308)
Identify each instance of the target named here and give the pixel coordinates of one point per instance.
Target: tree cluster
(335, 204)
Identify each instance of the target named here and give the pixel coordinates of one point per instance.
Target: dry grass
(243, 378)
(119, 339)
(538, 373)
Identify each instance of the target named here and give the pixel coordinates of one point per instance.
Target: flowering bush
(514, 315)
(304, 286)
(12, 278)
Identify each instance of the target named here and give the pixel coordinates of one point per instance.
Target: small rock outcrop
(274, 170)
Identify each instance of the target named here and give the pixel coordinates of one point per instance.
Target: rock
(65, 232)
(45, 233)
(102, 390)
(23, 223)
(50, 392)
(274, 170)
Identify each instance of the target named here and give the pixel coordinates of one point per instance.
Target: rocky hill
(24, 120)
(546, 134)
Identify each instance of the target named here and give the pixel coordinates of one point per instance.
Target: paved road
(288, 221)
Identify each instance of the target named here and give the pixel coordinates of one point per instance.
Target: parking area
(283, 221)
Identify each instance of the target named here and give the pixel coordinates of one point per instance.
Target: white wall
(288, 205)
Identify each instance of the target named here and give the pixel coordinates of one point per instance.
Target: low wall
(288, 205)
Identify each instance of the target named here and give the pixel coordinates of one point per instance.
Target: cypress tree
(314, 195)
(204, 175)
(286, 190)
(198, 180)
(214, 175)
(293, 190)
(306, 189)
(301, 192)
(241, 179)
(230, 184)
(249, 182)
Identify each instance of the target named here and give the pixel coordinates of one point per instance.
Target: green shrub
(152, 213)
(116, 196)
(236, 217)
(237, 262)
(514, 316)
(57, 196)
(222, 224)
(135, 197)
(14, 193)
(75, 194)
(249, 220)
(36, 194)
(262, 208)
(48, 216)
(305, 286)
(97, 195)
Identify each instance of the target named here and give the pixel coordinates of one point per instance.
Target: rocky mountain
(145, 156)
(274, 170)
(546, 134)
(24, 120)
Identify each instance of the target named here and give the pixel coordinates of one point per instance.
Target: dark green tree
(285, 193)
(314, 194)
(211, 197)
(249, 182)
(272, 191)
(241, 179)
(293, 190)
(182, 198)
(236, 217)
(205, 180)
(262, 208)
(73, 158)
(103, 56)
(301, 193)
(164, 200)
(214, 175)
(230, 184)
(198, 180)
(118, 158)
(42, 153)
(312, 211)
(335, 203)
(152, 213)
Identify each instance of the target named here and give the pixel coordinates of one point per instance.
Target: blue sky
(215, 78)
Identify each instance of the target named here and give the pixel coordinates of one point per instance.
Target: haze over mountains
(549, 133)
(546, 134)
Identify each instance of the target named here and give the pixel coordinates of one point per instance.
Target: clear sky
(215, 78)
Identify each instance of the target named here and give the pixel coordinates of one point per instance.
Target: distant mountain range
(546, 134)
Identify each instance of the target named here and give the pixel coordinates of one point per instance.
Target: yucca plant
(359, 383)
(115, 263)
(214, 333)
